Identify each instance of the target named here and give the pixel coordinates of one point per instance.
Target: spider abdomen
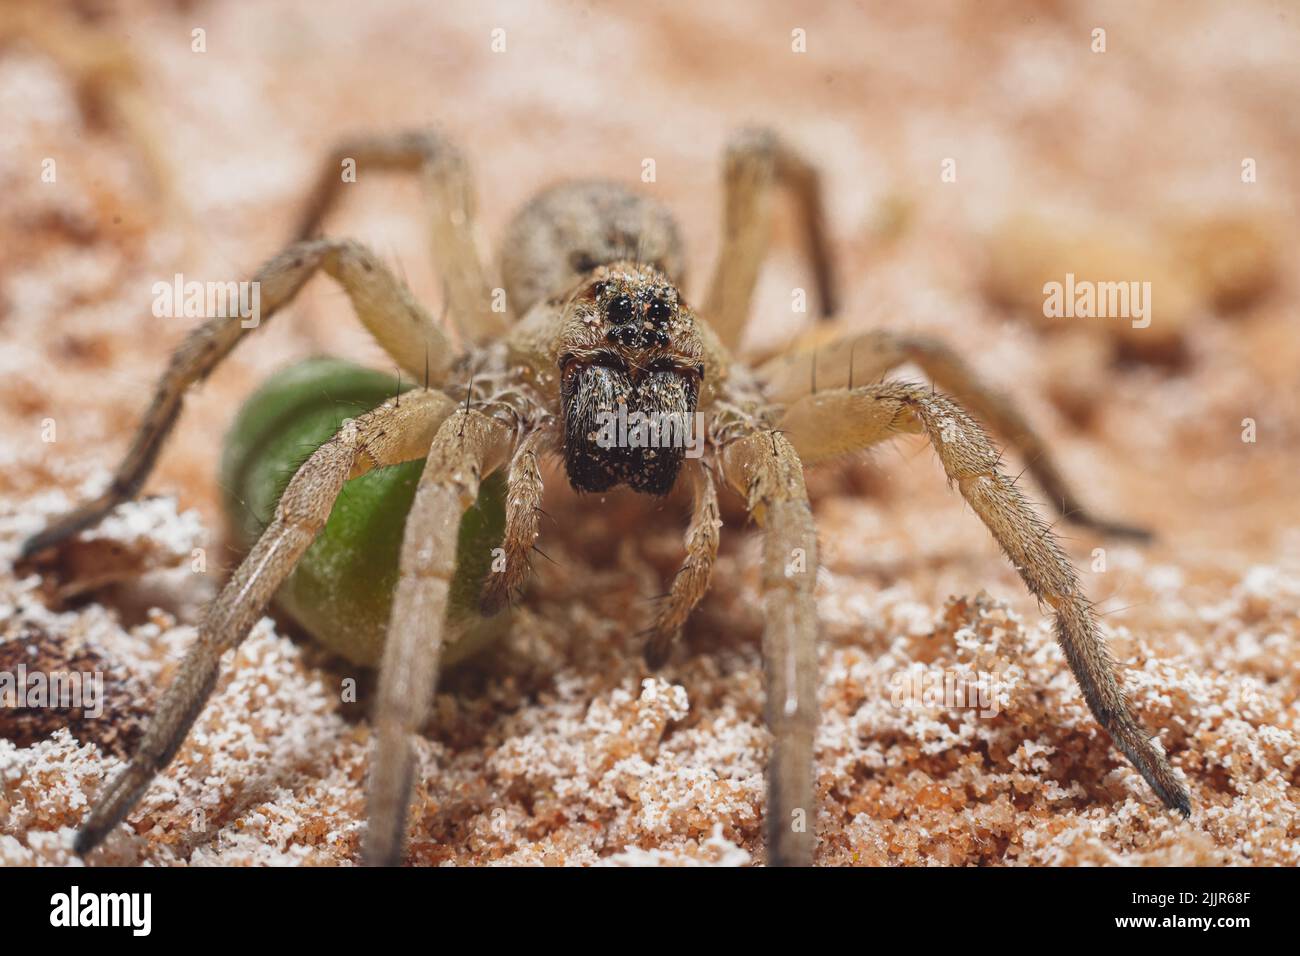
(571, 229)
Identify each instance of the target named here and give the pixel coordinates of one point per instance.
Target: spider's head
(631, 367)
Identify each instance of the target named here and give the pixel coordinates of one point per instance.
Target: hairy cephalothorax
(593, 274)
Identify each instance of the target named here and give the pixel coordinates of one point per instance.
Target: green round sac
(342, 590)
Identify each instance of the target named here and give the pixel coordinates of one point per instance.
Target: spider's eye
(622, 310)
(660, 312)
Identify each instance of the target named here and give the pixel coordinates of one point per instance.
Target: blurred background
(971, 153)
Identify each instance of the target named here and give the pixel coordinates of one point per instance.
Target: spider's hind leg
(756, 161)
(449, 185)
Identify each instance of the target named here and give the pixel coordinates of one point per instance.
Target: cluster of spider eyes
(623, 310)
(634, 326)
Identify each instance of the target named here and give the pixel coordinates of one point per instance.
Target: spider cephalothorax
(592, 273)
(630, 373)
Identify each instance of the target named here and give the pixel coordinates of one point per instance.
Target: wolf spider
(593, 274)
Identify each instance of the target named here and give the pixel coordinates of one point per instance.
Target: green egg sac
(342, 590)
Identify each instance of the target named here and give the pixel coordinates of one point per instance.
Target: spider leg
(383, 304)
(447, 180)
(755, 160)
(821, 424)
(468, 446)
(692, 580)
(392, 433)
(765, 468)
(523, 504)
(865, 358)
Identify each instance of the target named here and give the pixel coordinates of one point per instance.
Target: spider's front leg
(395, 432)
(468, 446)
(765, 468)
(831, 423)
(869, 356)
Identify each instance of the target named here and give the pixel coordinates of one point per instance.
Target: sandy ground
(1128, 163)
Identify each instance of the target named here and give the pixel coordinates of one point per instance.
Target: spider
(593, 272)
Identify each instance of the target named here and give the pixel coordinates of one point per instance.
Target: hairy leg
(447, 180)
(382, 302)
(829, 421)
(394, 432)
(865, 358)
(755, 160)
(523, 505)
(764, 467)
(468, 446)
(692, 580)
